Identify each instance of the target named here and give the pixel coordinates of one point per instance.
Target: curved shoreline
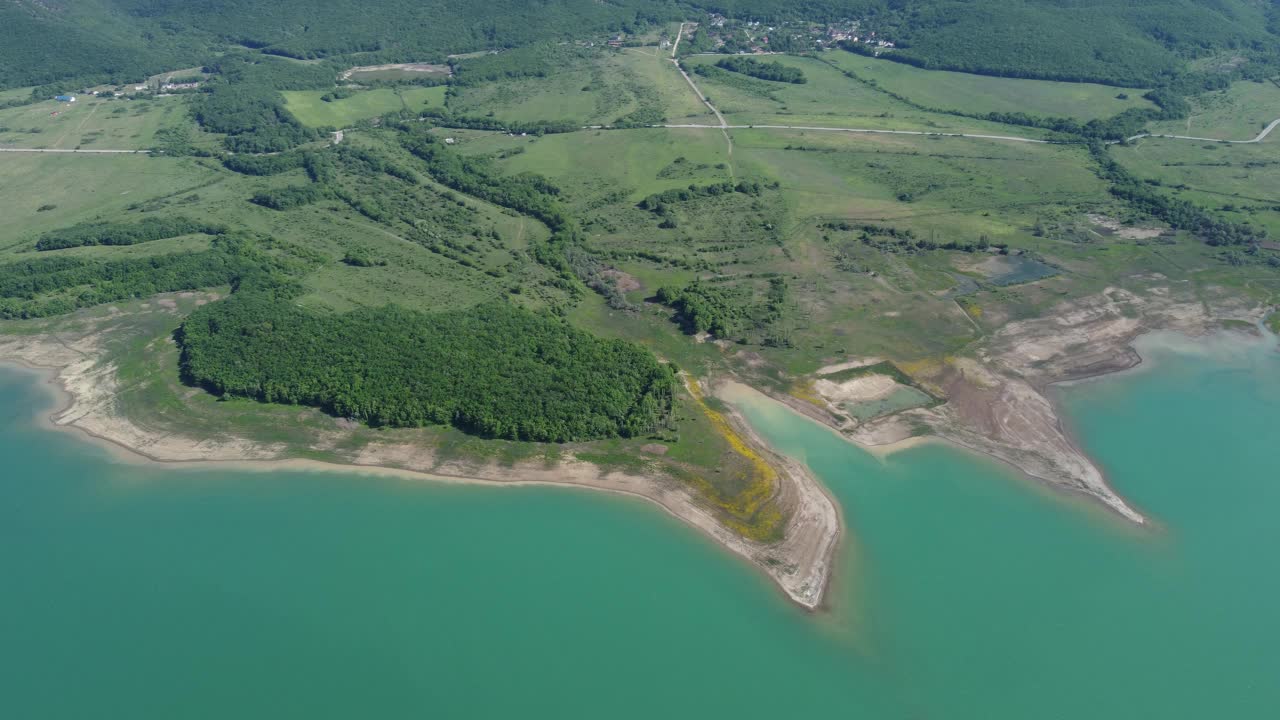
(1003, 403)
(800, 565)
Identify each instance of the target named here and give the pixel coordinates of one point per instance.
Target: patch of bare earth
(998, 398)
(1116, 228)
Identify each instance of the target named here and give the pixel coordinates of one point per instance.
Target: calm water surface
(964, 592)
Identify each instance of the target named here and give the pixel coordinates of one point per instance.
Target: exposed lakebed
(962, 591)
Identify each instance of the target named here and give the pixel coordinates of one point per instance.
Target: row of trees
(57, 285)
(773, 71)
(1179, 214)
(495, 370)
(658, 202)
(444, 118)
(109, 233)
(527, 193)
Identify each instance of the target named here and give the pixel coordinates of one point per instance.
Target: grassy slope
(1237, 113)
(88, 187)
(91, 122)
(1246, 177)
(828, 99)
(600, 90)
(983, 94)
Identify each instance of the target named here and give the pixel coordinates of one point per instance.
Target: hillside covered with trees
(1135, 42)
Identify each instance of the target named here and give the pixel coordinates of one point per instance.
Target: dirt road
(1257, 138)
(72, 150)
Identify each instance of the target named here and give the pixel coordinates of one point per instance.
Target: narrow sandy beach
(800, 564)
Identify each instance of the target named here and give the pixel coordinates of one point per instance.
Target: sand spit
(1000, 396)
(800, 564)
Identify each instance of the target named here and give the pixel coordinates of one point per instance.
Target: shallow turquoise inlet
(964, 591)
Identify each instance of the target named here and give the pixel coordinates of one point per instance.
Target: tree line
(110, 233)
(772, 71)
(1179, 214)
(50, 286)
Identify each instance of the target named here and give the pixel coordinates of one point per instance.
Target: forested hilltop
(1119, 41)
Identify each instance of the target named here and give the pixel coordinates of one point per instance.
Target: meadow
(827, 99)
(1238, 112)
(596, 87)
(969, 93)
(312, 111)
(92, 122)
(1242, 181)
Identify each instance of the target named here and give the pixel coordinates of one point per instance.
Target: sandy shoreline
(800, 564)
(1002, 399)
(1001, 404)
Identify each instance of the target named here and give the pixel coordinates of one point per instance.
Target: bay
(963, 591)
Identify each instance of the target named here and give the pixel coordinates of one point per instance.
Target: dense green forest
(1135, 42)
(494, 370)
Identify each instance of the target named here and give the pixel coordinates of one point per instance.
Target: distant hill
(1134, 42)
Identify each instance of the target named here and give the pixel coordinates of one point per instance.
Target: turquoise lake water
(964, 591)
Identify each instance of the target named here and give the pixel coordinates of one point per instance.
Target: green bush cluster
(109, 233)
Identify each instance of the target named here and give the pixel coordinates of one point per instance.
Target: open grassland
(92, 122)
(582, 95)
(1236, 113)
(827, 99)
(844, 297)
(954, 188)
(1243, 180)
(602, 87)
(654, 66)
(128, 189)
(627, 163)
(983, 94)
(15, 94)
(81, 188)
(311, 111)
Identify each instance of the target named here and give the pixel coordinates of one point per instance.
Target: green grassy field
(606, 162)
(827, 99)
(80, 188)
(90, 122)
(1237, 113)
(601, 88)
(15, 94)
(654, 66)
(1244, 178)
(984, 94)
(310, 110)
(945, 186)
